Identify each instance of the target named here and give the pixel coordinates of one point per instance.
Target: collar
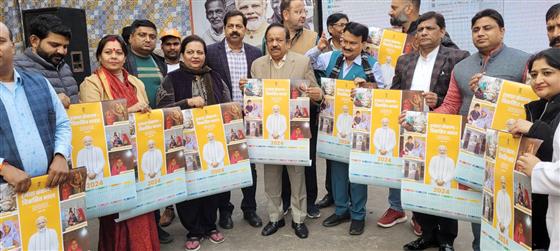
(228, 49)
(357, 60)
(17, 78)
(431, 56)
(35, 57)
(494, 52)
(281, 61)
(333, 48)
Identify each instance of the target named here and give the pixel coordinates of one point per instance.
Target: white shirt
(152, 160)
(172, 67)
(276, 124)
(92, 158)
(384, 139)
(442, 168)
(42, 240)
(503, 209)
(423, 71)
(214, 152)
(344, 125)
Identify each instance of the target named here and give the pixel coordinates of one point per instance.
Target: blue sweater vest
(355, 72)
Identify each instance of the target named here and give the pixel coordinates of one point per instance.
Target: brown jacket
(93, 90)
(306, 40)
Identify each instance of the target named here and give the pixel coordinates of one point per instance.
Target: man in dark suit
(232, 59)
(428, 70)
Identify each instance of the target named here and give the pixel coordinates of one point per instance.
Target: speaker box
(78, 49)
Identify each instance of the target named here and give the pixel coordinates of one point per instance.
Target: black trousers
(248, 204)
(328, 180)
(540, 234)
(310, 171)
(198, 216)
(441, 229)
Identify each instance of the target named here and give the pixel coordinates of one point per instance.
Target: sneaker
(216, 237)
(193, 243)
(313, 212)
(416, 228)
(390, 218)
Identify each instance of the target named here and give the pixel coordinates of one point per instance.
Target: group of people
(36, 136)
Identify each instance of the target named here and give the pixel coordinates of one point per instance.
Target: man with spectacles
(294, 18)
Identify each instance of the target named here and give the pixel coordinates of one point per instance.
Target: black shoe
(272, 227)
(446, 247)
(326, 201)
(253, 219)
(420, 244)
(335, 219)
(300, 229)
(164, 237)
(357, 227)
(313, 212)
(225, 220)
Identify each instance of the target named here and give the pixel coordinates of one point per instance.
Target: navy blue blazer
(217, 60)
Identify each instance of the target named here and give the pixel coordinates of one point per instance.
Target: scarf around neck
(365, 64)
(206, 77)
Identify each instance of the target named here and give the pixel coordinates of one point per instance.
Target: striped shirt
(148, 72)
(237, 63)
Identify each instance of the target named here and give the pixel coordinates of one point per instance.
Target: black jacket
(543, 114)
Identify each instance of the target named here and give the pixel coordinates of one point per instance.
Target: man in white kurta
(92, 158)
(213, 152)
(442, 168)
(45, 238)
(384, 138)
(344, 123)
(276, 124)
(503, 208)
(152, 160)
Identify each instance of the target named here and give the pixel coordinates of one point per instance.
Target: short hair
(357, 29)
(279, 26)
(551, 56)
(125, 33)
(333, 18)
(284, 5)
(477, 105)
(189, 39)
(234, 13)
(553, 12)
(41, 25)
(440, 20)
(209, 1)
(491, 13)
(141, 23)
(104, 41)
(415, 3)
(409, 137)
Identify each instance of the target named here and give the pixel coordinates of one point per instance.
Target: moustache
(235, 33)
(554, 41)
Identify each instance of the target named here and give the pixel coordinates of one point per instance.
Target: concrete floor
(245, 237)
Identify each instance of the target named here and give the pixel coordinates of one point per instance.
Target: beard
(54, 58)
(399, 20)
(254, 25)
(555, 42)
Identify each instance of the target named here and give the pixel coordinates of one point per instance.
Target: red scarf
(118, 89)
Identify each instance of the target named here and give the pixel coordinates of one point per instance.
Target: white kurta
(344, 124)
(545, 179)
(384, 139)
(92, 158)
(214, 152)
(442, 167)
(276, 124)
(503, 209)
(152, 160)
(43, 240)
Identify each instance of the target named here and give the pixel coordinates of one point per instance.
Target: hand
(214, 164)
(139, 107)
(315, 93)
(439, 182)
(527, 162)
(16, 177)
(360, 82)
(431, 99)
(91, 176)
(473, 84)
(197, 102)
(64, 99)
(383, 152)
(520, 127)
(58, 171)
(323, 42)
(242, 82)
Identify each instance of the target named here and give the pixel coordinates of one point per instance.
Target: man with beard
(171, 46)
(49, 39)
(215, 11)
(405, 14)
(553, 25)
(293, 18)
(255, 11)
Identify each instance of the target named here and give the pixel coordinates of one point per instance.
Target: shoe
(167, 217)
(326, 201)
(216, 236)
(416, 228)
(357, 227)
(164, 237)
(446, 247)
(272, 227)
(313, 212)
(420, 244)
(193, 243)
(390, 218)
(335, 219)
(253, 219)
(225, 220)
(300, 229)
